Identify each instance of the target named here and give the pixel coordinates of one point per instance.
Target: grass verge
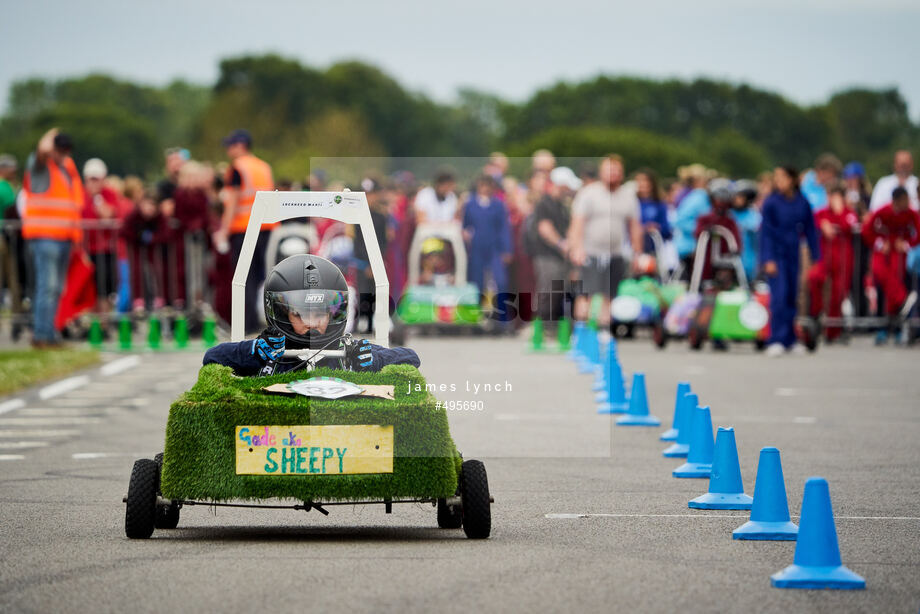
(22, 368)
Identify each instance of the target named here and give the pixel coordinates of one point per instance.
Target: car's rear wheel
(449, 516)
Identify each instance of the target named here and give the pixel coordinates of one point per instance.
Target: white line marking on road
(786, 392)
(95, 455)
(4, 457)
(62, 420)
(119, 366)
(39, 433)
(804, 420)
(138, 402)
(848, 392)
(65, 385)
(18, 445)
(741, 515)
(74, 401)
(61, 411)
(11, 405)
(767, 420)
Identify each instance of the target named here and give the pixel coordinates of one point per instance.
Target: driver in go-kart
(306, 305)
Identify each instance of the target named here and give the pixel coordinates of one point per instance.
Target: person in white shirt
(438, 203)
(903, 176)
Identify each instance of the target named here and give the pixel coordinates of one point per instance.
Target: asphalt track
(850, 414)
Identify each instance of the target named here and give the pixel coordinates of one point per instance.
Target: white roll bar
(348, 207)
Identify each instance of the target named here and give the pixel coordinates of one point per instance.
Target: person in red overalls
(838, 224)
(890, 232)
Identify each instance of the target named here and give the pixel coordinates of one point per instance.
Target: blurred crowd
(79, 241)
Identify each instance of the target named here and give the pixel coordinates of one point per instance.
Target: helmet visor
(314, 308)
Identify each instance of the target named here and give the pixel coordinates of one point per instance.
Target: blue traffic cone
(592, 353)
(600, 380)
(699, 459)
(817, 556)
(637, 414)
(577, 341)
(680, 448)
(615, 401)
(726, 491)
(671, 434)
(770, 513)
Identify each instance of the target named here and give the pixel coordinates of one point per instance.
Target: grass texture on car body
(200, 455)
(22, 368)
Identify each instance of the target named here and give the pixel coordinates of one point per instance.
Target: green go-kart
(445, 302)
(231, 442)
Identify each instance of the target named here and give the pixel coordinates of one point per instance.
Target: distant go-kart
(447, 302)
(722, 314)
(230, 443)
(644, 299)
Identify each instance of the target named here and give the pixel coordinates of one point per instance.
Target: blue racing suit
(245, 359)
(784, 224)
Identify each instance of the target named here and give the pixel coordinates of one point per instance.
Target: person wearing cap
(903, 176)
(101, 211)
(858, 190)
(246, 175)
(51, 225)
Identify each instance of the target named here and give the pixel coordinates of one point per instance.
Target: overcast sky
(804, 49)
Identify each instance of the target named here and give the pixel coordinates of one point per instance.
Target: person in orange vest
(51, 225)
(246, 175)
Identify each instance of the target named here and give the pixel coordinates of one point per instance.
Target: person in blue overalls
(487, 231)
(787, 217)
(306, 306)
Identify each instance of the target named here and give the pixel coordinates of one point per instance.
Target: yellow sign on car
(314, 450)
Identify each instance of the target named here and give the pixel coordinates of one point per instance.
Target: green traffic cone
(595, 310)
(124, 333)
(180, 332)
(536, 340)
(153, 333)
(95, 334)
(208, 334)
(564, 334)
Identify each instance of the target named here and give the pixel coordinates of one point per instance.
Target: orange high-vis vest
(56, 212)
(256, 175)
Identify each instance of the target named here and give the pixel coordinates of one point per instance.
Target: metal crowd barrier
(134, 276)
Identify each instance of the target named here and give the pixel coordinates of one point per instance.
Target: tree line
(354, 109)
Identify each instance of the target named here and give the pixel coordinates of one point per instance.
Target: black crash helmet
(313, 289)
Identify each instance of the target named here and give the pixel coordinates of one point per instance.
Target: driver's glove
(359, 356)
(269, 346)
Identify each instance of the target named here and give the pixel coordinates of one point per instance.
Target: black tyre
(167, 516)
(141, 508)
(760, 345)
(449, 517)
(476, 501)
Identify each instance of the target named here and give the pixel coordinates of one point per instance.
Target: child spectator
(787, 217)
(143, 231)
(488, 234)
(838, 223)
